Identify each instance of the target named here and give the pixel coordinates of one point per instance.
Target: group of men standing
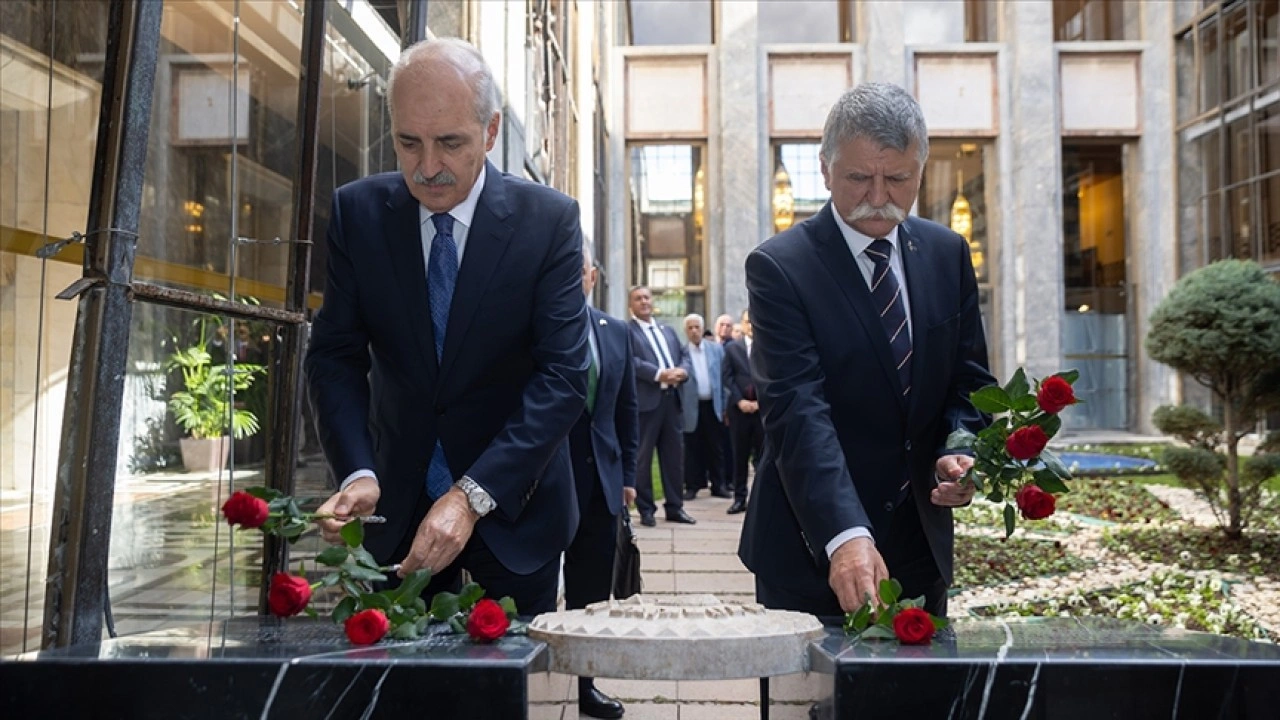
(698, 411)
(463, 388)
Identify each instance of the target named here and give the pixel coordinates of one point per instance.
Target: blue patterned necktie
(442, 276)
(886, 295)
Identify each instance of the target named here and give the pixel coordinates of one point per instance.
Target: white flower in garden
(1154, 619)
(1233, 559)
(1184, 555)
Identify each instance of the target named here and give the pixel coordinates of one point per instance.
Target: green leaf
(1051, 424)
(960, 439)
(1017, 386)
(311, 612)
(356, 572)
(878, 632)
(1049, 482)
(375, 600)
(975, 478)
(1026, 404)
(508, 605)
(938, 623)
(333, 556)
(1069, 375)
(1054, 464)
(455, 624)
(470, 595)
(403, 631)
(364, 558)
(353, 533)
(264, 493)
(995, 495)
(413, 586)
(1010, 518)
(890, 591)
(991, 399)
(344, 609)
(444, 606)
(420, 605)
(292, 508)
(856, 622)
(518, 627)
(330, 579)
(350, 587)
(279, 504)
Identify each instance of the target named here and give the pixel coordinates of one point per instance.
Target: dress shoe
(690, 494)
(680, 516)
(646, 519)
(721, 493)
(737, 507)
(596, 704)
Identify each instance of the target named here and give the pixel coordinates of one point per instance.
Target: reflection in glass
(1095, 325)
(1185, 59)
(1235, 30)
(805, 21)
(51, 63)
(1089, 20)
(670, 22)
(668, 187)
(1267, 24)
(1240, 217)
(1269, 200)
(803, 169)
(1210, 66)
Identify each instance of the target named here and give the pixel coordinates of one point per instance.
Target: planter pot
(205, 454)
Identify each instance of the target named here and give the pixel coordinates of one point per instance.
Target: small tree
(1221, 325)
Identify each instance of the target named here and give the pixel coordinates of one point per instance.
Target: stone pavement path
(686, 559)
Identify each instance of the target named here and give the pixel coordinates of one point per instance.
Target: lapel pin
(603, 321)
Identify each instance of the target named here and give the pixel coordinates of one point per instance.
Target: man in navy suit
(746, 433)
(702, 407)
(661, 366)
(868, 342)
(450, 358)
(603, 445)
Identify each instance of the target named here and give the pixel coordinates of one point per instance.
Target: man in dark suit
(702, 407)
(746, 434)
(603, 445)
(661, 366)
(868, 342)
(450, 358)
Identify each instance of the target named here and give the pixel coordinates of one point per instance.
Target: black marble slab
(1051, 669)
(261, 667)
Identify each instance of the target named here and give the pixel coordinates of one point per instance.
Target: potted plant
(204, 409)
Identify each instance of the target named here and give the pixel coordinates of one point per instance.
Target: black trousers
(588, 562)
(746, 435)
(534, 593)
(703, 453)
(660, 429)
(907, 556)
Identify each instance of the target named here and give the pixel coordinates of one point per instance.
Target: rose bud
(245, 510)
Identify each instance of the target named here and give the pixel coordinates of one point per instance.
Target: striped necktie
(886, 295)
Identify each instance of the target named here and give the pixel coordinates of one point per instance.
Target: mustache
(866, 211)
(444, 177)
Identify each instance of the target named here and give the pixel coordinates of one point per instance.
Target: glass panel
(1239, 60)
(668, 184)
(1210, 66)
(1184, 56)
(1211, 153)
(803, 21)
(1269, 198)
(954, 194)
(670, 22)
(1267, 128)
(50, 87)
(934, 22)
(1215, 249)
(979, 21)
(1088, 20)
(1240, 218)
(1268, 43)
(798, 188)
(447, 18)
(1239, 151)
(1095, 328)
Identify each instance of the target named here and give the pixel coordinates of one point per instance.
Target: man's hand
(950, 492)
(669, 376)
(856, 572)
(748, 406)
(358, 499)
(680, 374)
(628, 497)
(442, 534)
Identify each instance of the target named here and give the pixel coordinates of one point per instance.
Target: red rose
(1035, 503)
(245, 510)
(289, 595)
(488, 621)
(913, 626)
(367, 627)
(1026, 443)
(1055, 394)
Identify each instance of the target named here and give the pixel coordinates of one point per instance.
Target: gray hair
(695, 316)
(882, 112)
(463, 56)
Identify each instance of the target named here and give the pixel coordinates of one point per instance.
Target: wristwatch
(481, 501)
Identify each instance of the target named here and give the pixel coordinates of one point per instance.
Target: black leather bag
(626, 560)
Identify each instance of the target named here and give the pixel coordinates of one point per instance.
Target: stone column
(882, 36)
(737, 157)
(1030, 253)
(1152, 211)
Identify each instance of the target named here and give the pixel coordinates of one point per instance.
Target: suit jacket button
(888, 507)
(590, 460)
(908, 446)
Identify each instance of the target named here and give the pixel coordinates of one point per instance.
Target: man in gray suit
(702, 404)
(661, 366)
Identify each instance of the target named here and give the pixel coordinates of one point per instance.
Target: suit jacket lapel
(404, 244)
(913, 268)
(834, 254)
(486, 244)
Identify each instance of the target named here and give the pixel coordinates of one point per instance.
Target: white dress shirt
(463, 215)
(858, 243)
(701, 375)
(662, 353)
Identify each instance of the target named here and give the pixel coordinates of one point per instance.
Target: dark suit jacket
(615, 432)
(839, 437)
(649, 391)
(511, 380)
(737, 373)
